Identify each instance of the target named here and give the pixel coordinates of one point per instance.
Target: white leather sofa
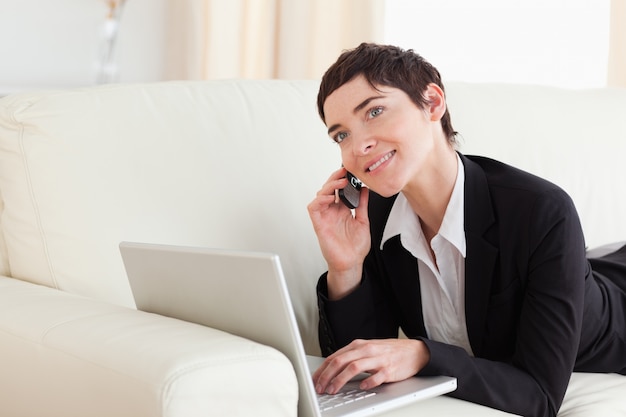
(228, 164)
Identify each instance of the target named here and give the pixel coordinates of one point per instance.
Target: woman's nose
(364, 143)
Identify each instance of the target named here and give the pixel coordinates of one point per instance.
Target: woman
(480, 264)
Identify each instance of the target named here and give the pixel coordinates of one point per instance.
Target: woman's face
(386, 140)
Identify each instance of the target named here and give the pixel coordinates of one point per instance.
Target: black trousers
(610, 272)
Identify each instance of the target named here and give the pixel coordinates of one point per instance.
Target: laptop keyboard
(328, 401)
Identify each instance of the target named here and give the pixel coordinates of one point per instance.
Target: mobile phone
(351, 193)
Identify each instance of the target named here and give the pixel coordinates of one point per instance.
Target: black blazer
(530, 292)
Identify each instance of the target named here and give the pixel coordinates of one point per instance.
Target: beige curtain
(617, 45)
(289, 39)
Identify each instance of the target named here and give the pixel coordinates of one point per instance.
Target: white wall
(55, 43)
(562, 43)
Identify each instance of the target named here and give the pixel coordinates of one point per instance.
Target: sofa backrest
(221, 164)
(233, 164)
(575, 138)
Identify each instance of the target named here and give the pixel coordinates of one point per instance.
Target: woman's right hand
(344, 239)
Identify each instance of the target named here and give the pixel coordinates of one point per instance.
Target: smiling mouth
(380, 161)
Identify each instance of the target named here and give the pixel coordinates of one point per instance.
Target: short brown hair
(385, 65)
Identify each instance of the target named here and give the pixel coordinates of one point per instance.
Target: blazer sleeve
(365, 313)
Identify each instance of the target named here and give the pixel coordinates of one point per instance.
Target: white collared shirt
(442, 279)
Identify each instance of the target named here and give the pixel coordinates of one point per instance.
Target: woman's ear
(436, 102)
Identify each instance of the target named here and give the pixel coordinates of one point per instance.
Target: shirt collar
(404, 222)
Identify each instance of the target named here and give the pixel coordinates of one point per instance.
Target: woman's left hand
(386, 360)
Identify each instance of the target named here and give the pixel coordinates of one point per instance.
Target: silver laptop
(244, 293)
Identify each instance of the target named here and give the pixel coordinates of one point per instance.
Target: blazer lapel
(481, 255)
(406, 287)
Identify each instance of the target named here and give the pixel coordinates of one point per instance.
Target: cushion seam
(40, 229)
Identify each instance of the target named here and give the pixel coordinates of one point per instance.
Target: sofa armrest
(66, 355)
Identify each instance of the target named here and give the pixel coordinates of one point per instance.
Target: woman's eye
(375, 111)
(339, 137)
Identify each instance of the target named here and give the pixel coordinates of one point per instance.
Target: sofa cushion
(4, 256)
(66, 355)
(591, 395)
